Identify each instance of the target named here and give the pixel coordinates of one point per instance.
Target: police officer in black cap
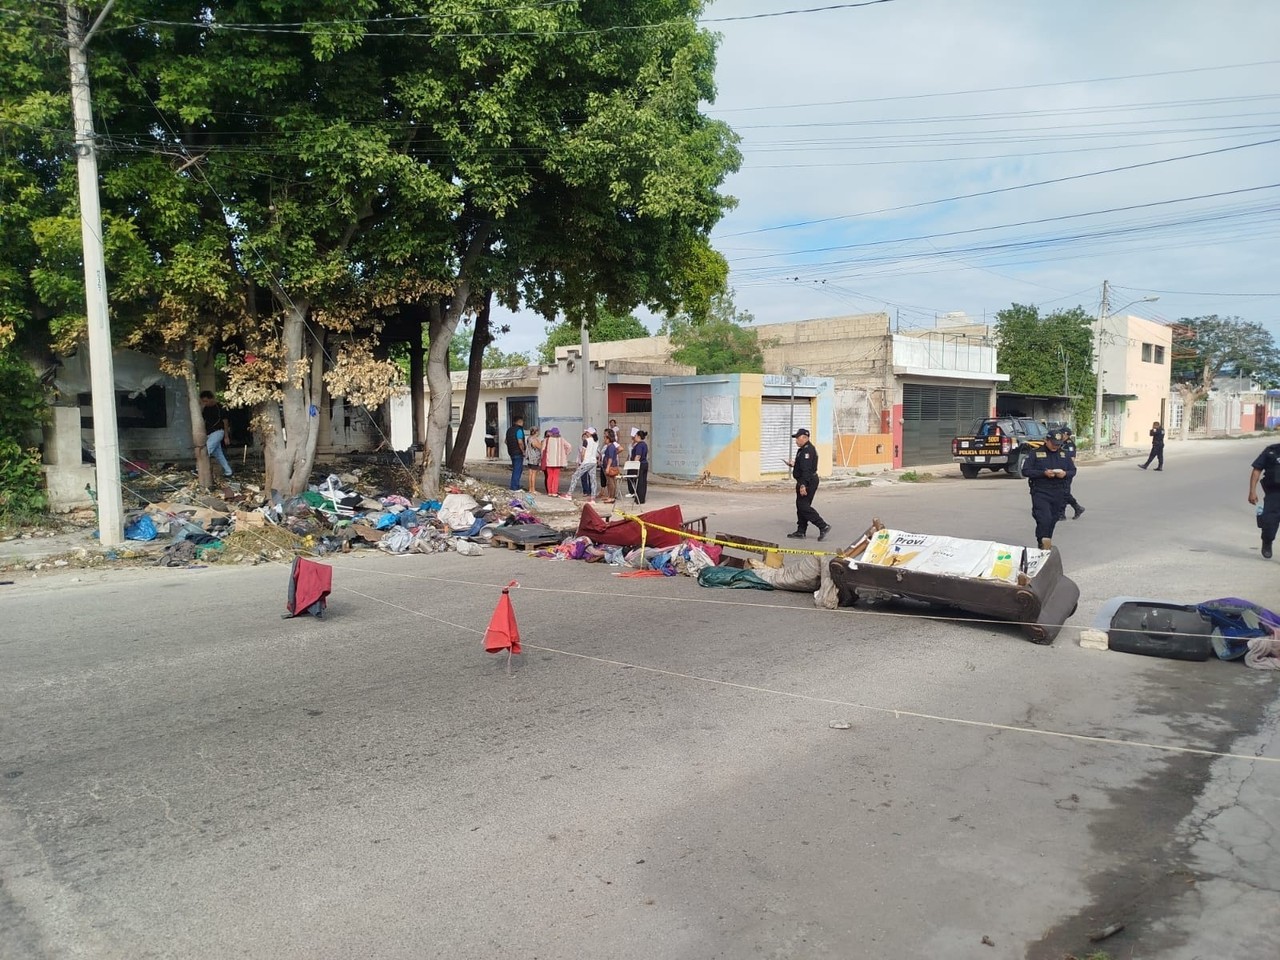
(1049, 471)
(1069, 448)
(805, 470)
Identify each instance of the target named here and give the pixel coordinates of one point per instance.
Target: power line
(1023, 86)
(1005, 226)
(216, 27)
(998, 190)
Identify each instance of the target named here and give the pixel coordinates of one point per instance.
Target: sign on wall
(717, 409)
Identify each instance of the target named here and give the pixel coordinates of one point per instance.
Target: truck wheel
(1014, 467)
(969, 470)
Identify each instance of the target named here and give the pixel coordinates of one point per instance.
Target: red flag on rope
(503, 634)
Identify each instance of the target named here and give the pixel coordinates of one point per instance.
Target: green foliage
(387, 154)
(21, 412)
(1205, 348)
(495, 358)
(1049, 355)
(719, 341)
(607, 327)
(21, 483)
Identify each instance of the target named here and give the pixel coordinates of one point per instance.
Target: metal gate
(932, 416)
(776, 416)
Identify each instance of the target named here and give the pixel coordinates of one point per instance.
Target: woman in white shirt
(586, 463)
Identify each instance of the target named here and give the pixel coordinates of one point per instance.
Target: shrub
(21, 483)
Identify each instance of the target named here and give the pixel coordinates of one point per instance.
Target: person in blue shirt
(515, 450)
(1048, 471)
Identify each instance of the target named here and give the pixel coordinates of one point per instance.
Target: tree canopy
(294, 188)
(607, 327)
(1206, 348)
(719, 341)
(1052, 354)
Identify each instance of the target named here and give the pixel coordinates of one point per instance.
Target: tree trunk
(1190, 394)
(417, 393)
(442, 322)
(289, 443)
(199, 439)
(482, 336)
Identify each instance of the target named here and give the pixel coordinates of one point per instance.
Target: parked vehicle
(997, 443)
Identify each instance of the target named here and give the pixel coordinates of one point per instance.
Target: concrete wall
(686, 444)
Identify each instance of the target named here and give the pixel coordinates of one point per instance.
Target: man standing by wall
(1157, 447)
(515, 450)
(1267, 469)
(805, 470)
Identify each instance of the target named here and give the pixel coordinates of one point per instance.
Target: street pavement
(184, 774)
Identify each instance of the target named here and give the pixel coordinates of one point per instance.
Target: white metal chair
(630, 473)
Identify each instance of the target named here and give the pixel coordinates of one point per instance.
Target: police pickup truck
(998, 443)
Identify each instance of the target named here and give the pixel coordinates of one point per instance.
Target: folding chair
(630, 473)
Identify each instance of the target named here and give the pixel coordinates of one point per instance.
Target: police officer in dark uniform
(805, 470)
(1048, 471)
(1267, 469)
(1069, 448)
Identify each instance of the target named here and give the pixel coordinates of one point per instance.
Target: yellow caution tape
(752, 547)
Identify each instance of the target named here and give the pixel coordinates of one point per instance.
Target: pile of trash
(332, 516)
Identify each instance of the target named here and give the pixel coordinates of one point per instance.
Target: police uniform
(1268, 465)
(1069, 448)
(804, 468)
(1048, 494)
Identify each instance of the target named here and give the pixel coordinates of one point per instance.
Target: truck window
(1033, 429)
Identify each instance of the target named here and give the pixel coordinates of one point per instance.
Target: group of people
(599, 464)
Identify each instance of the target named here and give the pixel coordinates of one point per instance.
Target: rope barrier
(897, 713)
(701, 538)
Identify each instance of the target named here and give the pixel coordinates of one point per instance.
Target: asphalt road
(184, 774)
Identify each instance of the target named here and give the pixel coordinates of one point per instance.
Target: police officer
(1069, 448)
(1267, 469)
(805, 470)
(1048, 471)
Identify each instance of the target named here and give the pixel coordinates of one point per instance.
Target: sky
(922, 157)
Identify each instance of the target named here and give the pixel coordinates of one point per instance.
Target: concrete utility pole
(1097, 371)
(106, 440)
(585, 360)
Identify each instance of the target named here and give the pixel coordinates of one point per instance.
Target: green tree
(718, 342)
(398, 158)
(1206, 348)
(607, 327)
(1052, 354)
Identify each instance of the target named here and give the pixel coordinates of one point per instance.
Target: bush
(21, 412)
(21, 483)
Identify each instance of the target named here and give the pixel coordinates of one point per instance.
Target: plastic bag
(143, 528)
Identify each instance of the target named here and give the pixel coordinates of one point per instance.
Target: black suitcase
(1161, 630)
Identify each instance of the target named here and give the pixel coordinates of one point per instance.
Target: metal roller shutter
(776, 445)
(933, 415)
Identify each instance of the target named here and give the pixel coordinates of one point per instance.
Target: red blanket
(626, 533)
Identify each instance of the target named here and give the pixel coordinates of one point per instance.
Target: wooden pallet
(537, 544)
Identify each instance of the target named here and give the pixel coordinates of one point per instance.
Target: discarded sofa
(627, 533)
(995, 581)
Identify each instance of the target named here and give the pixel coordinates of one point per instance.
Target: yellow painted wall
(860, 450)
